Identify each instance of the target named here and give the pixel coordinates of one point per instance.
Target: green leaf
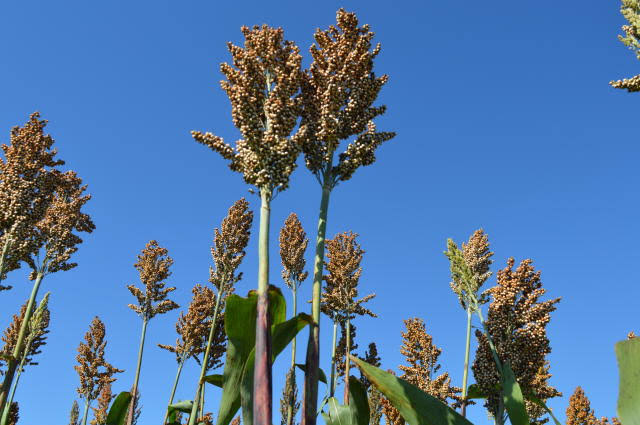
(118, 413)
(322, 377)
(475, 392)
(338, 414)
(181, 406)
(534, 399)
(281, 335)
(358, 402)
(216, 379)
(513, 399)
(628, 355)
(415, 406)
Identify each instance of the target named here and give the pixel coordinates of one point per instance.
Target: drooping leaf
(415, 406)
(512, 397)
(628, 355)
(322, 377)
(281, 335)
(118, 412)
(215, 379)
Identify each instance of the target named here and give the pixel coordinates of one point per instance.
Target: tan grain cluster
(153, 266)
(338, 91)
(339, 298)
(261, 84)
(228, 247)
(293, 244)
(94, 371)
(421, 356)
(104, 400)
(517, 323)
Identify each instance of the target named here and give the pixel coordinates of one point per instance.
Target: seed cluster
(35, 338)
(517, 323)
(261, 84)
(104, 400)
(153, 266)
(421, 356)
(228, 247)
(338, 300)
(289, 397)
(338, 91)
(630, 9)
(579, 411)
(94, 371)
(293, 244)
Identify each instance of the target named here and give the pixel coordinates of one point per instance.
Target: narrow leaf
(182, 406)
(322, 377)
(118, 413)
(216, 379)
(513, 399)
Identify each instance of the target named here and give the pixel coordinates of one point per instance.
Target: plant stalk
(310, 391)
(19, 347)
(347, 363)
(293, 355)
(332, 382)
(137, 376)
(205, 360)
(7, 409)
(85, 415)
(173, 390)
(465, 374)
(262, 386)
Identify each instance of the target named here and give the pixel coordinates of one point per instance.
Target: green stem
(85, 415)
(347, 365)
(7, 409)
(205, 360)
(309, 406)
(262, 386)
(465, 374)
(293, 355)
(19, 347)
(173, 390)
(332, 382)
(202, 401)
(137, 376)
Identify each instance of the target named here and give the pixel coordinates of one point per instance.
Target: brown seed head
(517, 323)
(153, 266)
(94, 371)
(261, 84)
(579, 411)
(339, 299)
(104, 400)
(338, 92)
(293, 244)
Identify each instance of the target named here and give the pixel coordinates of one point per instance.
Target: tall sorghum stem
(85, 415)
(262, 387)
(205, 360)
(7, 410)
(313, 349)
(173, 390)
(293, 356)
(332, 384)
(347, 363)
(465, 374)
(18, 349)
(137, 376)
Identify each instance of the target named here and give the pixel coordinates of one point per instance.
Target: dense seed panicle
(579, 411)
(153, 266)
(218, 346)
(229, 244)
(26, 186)
(517, 322)
(193, 327)
(339, 298)
(94, 371)
(261, 84)
(630, 9)
(421, 356)
(338, 92)
(293, 244)
(104, 400)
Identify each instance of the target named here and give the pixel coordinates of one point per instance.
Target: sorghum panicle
(293, 244)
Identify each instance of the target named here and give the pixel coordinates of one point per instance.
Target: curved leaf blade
(118, 412)
(322, 377)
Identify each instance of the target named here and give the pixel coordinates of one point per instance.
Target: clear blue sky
(504, 118)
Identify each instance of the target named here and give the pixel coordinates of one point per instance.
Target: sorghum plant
(227, 252)
(293, 244)
(94, 371)
(53, 234)
(476, 256)
(421, 356)
(261, 86)
(516, 324)
(26, 185)
(338, 92)
(153, 266)
(630, 9)
(339, 300)
(35, 338)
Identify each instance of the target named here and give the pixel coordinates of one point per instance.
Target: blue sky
(505, 121)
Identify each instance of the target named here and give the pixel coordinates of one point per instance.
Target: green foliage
(322, 377)
(118, 412)
(513, 398)
(355, 413)
(628, 355)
